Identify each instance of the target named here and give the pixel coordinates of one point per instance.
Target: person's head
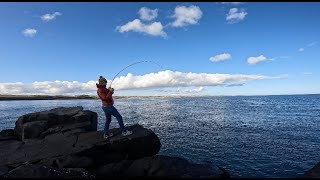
(102, 81)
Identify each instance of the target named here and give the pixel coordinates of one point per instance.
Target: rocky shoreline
(64, 143)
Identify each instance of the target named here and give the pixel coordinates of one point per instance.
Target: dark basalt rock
(64, 142)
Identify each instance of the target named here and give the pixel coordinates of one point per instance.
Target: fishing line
(132, 65)
(135, 120)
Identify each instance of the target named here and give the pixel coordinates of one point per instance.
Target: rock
(41, 124)
(69, 111)
(161, 166)
(313, 172)
(7, 134)
(143, 142)
(3, 170)
(42, 171)
(34, 129)
(64, 142)
(50, 131)
(69, 161)
(179, 167)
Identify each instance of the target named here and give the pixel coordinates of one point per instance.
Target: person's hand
(111, 89)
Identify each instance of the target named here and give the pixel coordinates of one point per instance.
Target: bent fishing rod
(129, 66)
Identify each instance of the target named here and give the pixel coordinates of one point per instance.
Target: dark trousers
(111, 110)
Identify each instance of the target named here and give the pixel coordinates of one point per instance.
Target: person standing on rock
(107, 105)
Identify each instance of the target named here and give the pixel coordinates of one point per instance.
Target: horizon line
(86, 95)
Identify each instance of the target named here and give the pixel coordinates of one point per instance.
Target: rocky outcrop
(41, 124)
(36, 171)
(64, 142)
(7, 134)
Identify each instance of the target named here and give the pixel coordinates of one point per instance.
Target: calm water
(256, 136)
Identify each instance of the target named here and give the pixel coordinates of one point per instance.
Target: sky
(180, 48)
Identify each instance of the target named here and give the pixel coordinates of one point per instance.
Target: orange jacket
(105, 95)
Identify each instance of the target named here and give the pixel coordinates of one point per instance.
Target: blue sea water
(250, 136)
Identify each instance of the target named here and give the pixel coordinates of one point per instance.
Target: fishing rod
(132, 65)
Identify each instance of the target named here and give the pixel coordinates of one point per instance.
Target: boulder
(42, 171)
(161, 166)
(41, 124)
(7, 134)
(143, 142)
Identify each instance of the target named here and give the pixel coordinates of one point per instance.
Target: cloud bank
(162, 79)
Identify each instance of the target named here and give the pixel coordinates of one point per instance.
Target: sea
(274, 136)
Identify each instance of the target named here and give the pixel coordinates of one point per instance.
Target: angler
(107, 103)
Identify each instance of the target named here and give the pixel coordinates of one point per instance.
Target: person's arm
(109, 95)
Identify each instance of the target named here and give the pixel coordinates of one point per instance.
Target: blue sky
(204, 48)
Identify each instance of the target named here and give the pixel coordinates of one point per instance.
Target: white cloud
(191, 90)
(220, 57)
(254, 60)
(186, 15)
(50, 17)
(178, 79)
(232, 3)
(162, 79)
(148, 14)
(48, 87)
(154, 29)
(60, 87)
(301, 49)
(29, 32)
(236, 15)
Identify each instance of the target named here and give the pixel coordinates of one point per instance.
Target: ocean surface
(250, 136)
